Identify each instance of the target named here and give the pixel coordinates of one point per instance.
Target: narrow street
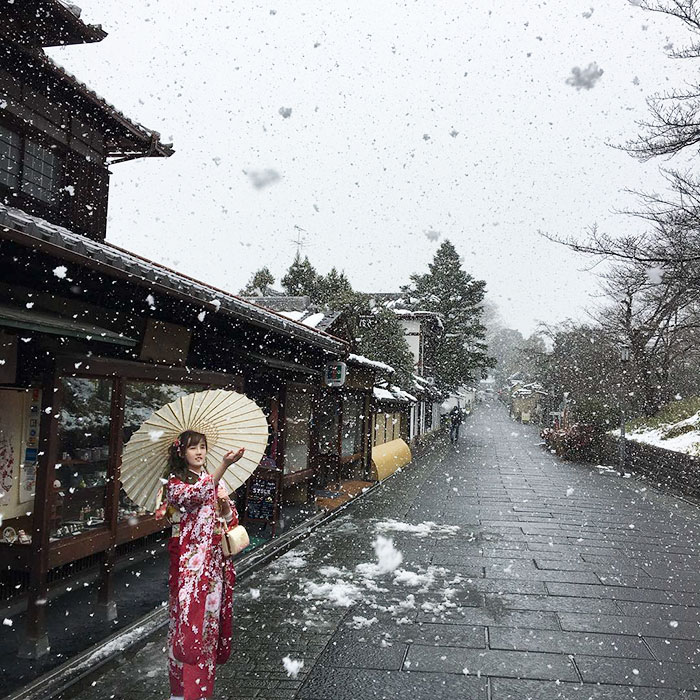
(511, 575)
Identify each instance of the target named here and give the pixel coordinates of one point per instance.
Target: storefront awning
(29, 320)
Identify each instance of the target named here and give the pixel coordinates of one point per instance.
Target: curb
(108, 652)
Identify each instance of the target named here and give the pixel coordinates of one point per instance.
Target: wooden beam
(36, 643)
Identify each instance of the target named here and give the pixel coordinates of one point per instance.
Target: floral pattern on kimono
(203, 607)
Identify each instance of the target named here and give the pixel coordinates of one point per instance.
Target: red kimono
(201, 589)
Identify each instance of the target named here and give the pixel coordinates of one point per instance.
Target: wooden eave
(124, 138)
(45, 23)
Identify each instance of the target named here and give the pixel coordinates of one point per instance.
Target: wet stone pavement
(490, 571)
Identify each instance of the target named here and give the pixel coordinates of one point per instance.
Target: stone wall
(662, 468)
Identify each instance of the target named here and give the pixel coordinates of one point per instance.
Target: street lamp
(624, 359)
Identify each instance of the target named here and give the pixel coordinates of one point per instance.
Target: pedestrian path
(487, 571)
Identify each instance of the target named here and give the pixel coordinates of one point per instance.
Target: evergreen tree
(301, 278)
(459, 354)
(334, 290)
(258, 283)
(383, 341)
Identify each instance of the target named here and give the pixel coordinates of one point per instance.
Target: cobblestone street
(522, 576)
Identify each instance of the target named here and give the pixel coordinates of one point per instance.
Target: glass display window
(80, 481)
(141, 400)
(297, 420)
(328, 418)
(353, 420)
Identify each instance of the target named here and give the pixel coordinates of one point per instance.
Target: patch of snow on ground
(359, 622)
(388, 559)
(687, 443)
(339, 593)
(292, 666)
(424, 529)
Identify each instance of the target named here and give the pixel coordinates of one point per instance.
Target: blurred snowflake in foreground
(286, 112)
(263, 178)
(585, 77)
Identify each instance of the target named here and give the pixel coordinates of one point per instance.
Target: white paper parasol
(229, 420)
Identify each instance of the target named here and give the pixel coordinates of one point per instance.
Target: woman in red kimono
(201, 579)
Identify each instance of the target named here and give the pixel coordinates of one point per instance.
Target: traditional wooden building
(94, 338)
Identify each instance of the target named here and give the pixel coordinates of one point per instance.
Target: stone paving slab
(639, 672)
(540, 591)
(353, 684)
(513, 664)
(570, 643)
(503, 689)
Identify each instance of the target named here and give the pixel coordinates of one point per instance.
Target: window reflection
(81, 475)
(142, 399)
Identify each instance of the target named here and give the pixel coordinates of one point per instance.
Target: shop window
(395, 426)
(81, 472)
(142, 399)
(352, 425)
(297, 419)
(379, 428)
(328, 424)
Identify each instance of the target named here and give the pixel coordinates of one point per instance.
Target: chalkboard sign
(263, 496)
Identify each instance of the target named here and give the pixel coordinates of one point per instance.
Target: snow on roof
(313, 320)
(365, 361)
(383, 395)
(106, 256)
(293, 315)
(393, 393)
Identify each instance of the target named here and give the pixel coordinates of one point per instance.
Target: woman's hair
(177, 464)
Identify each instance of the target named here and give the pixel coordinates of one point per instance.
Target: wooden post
(105, 591)
(36, 643)
(367, 437)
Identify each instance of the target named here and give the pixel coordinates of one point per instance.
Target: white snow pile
(292, 666)
(287, 564)
(359, 622)
(424, 529)
(388, 559)
(339, 593)
(423, 578)
(681, 436)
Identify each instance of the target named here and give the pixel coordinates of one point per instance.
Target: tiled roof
(105, 257)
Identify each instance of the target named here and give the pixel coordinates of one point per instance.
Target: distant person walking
(455, 422)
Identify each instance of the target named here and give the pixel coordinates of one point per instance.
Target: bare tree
(658, 316)
(674, 117)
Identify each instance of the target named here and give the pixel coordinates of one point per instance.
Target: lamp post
(624, 359)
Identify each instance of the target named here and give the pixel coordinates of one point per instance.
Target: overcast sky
(390, 125)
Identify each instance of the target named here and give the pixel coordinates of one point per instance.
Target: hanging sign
(27, 481)
(335, 374)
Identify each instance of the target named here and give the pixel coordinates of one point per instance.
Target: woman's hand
(229, 458)
(232, 456)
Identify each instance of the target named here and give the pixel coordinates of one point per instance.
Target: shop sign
(335, 374)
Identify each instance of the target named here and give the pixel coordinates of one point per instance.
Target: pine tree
(459, 354)
(258, 283)
(301, 278)
(384, 341)
(334, 290)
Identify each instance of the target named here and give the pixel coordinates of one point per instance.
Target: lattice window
(10, 157)
(39, 171)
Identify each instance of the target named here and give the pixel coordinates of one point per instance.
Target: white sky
(366, 80)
